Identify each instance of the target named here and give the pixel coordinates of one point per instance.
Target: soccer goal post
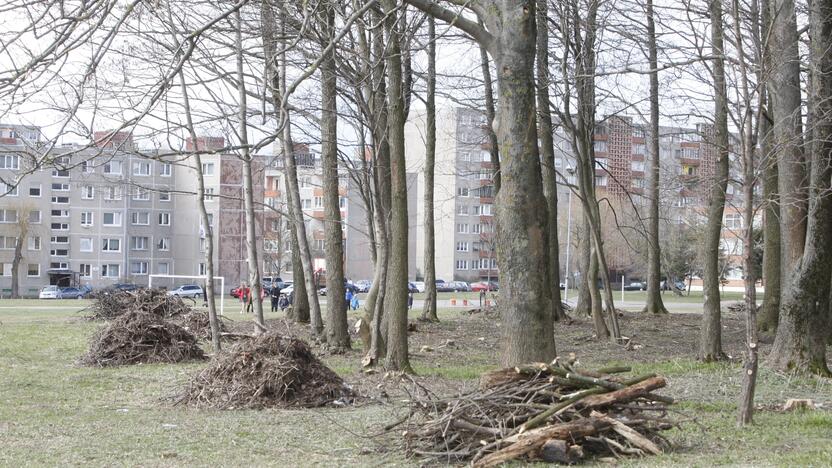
(203, 278)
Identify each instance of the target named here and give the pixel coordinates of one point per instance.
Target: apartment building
(103, 213)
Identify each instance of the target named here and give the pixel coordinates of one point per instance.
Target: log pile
(550, 412)
(109, 305)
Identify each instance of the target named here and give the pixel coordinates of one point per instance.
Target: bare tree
(429, 312)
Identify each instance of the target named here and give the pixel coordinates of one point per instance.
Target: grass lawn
(53, 412)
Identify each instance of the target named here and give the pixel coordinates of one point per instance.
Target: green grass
(53, 412)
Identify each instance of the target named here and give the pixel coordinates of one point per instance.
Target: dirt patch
(140, 337)
(270, 370)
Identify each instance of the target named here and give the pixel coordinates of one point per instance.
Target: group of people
(282, 301)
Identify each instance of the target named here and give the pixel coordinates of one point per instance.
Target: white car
(50, 292)
(288, 289)
(420, 286)
(186, 290)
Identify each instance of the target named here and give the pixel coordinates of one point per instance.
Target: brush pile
(109, 305)
(198, 323)
(267, 371)
(139, 337)
(549, 412)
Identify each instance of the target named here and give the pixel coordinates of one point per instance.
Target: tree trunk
(803, 331)
(300, 301)
(784, 92)
(337, 332)
(248, 189)
(583, 304)
(18, 254)
(654, 305)
(550, 188)
(490, 114)
(710, 343)
(601, 330)
(429, 311)
(771, 235)
(395, 302)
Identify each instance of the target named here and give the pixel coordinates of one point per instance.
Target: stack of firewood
(552, 412)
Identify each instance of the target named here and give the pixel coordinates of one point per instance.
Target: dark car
(636, 286)
(460, 286)
(72, 293)
(679, 285)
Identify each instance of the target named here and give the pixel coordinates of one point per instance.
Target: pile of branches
(739, 307)
(199, 323)
(109, 305)
(267, 371)
(140, 337)
(550, 412)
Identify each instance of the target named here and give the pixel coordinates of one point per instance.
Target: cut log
(624, 395)
(558, 451)
(632, 436)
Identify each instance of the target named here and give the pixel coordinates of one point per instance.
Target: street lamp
(571, 172)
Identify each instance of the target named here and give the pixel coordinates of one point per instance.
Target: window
(201, 269)
(342, 202)
(34, 190)
(111, 219)
(7, 190)
(110, 270)
(10, 161)
(59, 252)
(600, 146)
(638, 132)
(140, 218)
(164, 244)
(7, 269)
(164, 169)
(138, 243)
(638, 182)
(86, 218)
(87, 167)
(85, 244)
(60, 226)
(60, 200)
(164, 219)
(637, 166)
(60, 213)
(690, 153)
(209, 194)
(305, 182)
(462, 191)
(112, 167)
(59, 239)
(486, 210)
(306, 203)
(462, 228)
(688, 170)
(320, 244)
(88, 192)
(600, 181)
(465, 156)
(138, 268)
(733, 221)
(60, 187)
(319, 202)
(34, 217)
(141, 168)
(164, 196)
(729, 189)
(7, 242)
(141, 194)
(462, 264)
(85, 269)
(112, 193)
(162, 268)
(485, 175)
(111, 245)
(639, 148)
(202, 244)
(462, 247)
(207, 169)
(33, 270)
(58, 265)
(462, 210)
(476, 228)
(8, 216)
(34, 243)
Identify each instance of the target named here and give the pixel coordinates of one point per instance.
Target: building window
(34, 243)
(638, 132)
(88, 192)
(7, 242)
(209, 194)
(7, 269)
(162, 268)
(34, 190)
(58, 265)
(8, 190)
(138, 243)
(164, 196)
(111, 245)
(59, 252)
(86, 218)
(111, 219)
(164, 219)
(163, 244)
(34, 217)
(600, 146)
(639, 148)
(138, 268)
(638, 182)
(462, 228)
(462, 210)
(320, 244)
(85, 244)
(207, 169)
(319, 202)
(60, 187)
(600, 181)
(201, 269)
(60, 213)
(112, 167)
(8, 216)
(33, 270)
(112, 193)
(485, 210)
(59, 239)
(462, 264)
(342, 202)
(110, 270)
(305, 182)
(140, 218)
(141, 194)
(462, 247)
(165, 169)
(9, 161)
(637, 166)
(733, 221)
(462, 191)
(306, 203)
(60, 226)
(85, 270)
(87, 167)
(141, 168)
(60, 200)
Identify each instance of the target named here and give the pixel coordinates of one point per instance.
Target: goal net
(177, 280)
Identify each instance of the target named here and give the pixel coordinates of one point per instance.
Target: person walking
(275, 295)
(348, 296)
(354, 302)
(241, 293)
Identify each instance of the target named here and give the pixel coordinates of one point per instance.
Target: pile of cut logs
(552, 412)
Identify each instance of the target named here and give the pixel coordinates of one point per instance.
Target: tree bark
(22, 229)
(429, 311)
(583, 305)
(397, 288)
(596, 304)
(550, 188)
(803, 331)
(654, 305)
(710, 341)
(337, 332)
(490, 114)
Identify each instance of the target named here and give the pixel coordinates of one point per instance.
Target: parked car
(444, 287)
(348, 286)
(289, 289)
(50, 292)
(363, 286)
(460, 286)
(126, 286)
(72, 293)
(272, 281)
(420, 286)
(680, 285)
(484, 286)
(186, 290)
(636, 286)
